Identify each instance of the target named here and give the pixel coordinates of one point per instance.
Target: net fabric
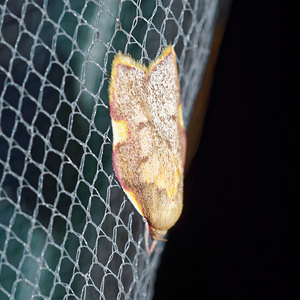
(67, 230)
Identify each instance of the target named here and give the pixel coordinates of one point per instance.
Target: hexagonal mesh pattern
(67, 230)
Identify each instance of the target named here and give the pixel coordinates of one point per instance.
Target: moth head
(158, 234)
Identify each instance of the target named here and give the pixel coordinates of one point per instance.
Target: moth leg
(147, 238)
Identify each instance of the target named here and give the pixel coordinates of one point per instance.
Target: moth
(149, 139)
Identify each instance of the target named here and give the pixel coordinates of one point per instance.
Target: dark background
(236, 238)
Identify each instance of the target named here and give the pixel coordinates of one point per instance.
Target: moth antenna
(146, 237)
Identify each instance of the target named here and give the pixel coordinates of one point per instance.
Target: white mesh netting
(67, 230)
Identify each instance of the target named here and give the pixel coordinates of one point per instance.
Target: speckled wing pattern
(149, 140)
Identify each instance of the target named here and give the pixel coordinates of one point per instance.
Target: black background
(236, 238)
